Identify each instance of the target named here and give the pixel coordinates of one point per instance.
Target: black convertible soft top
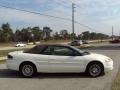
(39, 48)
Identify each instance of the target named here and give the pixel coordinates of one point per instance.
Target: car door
(63, 59)
(43, 60)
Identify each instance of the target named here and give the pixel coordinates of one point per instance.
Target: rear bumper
(11, 65)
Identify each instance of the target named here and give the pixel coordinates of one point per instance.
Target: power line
(77, 21)
(70, 2)
(63, 4)
(66, 19)
(86, 26)
(35, 12)
(4, 4)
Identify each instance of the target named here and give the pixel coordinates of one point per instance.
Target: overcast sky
(97, 14)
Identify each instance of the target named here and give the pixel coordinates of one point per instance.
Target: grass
(5, 52)
(84, 46)
(116, 83)
(55, 41)
(99, 41)
(2, 61)
(6, 44)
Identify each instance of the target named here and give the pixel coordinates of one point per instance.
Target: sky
(100, 15)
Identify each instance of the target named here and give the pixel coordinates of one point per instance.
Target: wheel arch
(24, 62)
(92, 62)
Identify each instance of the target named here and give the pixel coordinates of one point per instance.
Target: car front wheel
(95, 69)
(27, 70)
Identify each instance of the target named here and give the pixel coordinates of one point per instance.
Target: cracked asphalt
(11, 80)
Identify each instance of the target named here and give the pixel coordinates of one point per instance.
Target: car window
(48, 51)
(59, 51)
(35, 50)
(62, 51)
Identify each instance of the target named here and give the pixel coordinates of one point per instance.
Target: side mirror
(86, 52)
(75, 54)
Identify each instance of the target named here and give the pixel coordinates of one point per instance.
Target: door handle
(54, 62)
(52, 59)
(43, 61)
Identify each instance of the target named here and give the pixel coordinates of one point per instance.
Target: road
(10, 80)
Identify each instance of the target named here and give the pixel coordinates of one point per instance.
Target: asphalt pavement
(11, 80)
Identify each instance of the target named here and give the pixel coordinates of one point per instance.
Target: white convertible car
(58, 59)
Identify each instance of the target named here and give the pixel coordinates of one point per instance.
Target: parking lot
(10, 80)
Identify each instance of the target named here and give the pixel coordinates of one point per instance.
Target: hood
(98, 56)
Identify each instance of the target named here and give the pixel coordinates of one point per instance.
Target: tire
(95, 69)
(28, 70)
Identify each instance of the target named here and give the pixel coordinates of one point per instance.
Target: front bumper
(109, 66)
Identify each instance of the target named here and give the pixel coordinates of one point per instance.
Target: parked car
(76, 43)
(20, 45)
(115, 41)
(58, 59)
(85, 42)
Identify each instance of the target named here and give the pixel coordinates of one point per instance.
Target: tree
(37, 32)
(6, 32)
(93, 35)
(46, 33)
(64, 34)
(80, 37)
(18, 35)
(86, 35)
(102, 36)
(1, 36)
(56, 36)
(73, 36)
(26, 34)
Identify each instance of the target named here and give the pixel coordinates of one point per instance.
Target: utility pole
(112, 32)
(119, 33)
(73, 21)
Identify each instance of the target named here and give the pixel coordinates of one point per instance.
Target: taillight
(10, 57)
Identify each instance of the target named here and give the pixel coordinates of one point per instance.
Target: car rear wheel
(27, 70)
(95, 69)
